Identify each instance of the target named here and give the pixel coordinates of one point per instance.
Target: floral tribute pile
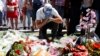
(14, 43)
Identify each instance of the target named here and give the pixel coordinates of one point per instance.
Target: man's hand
(41, 23)
(56, 20)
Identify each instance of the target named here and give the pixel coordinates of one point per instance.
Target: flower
(18, 52)
(96, 45)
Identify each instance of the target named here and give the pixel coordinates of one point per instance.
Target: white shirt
(40, 14)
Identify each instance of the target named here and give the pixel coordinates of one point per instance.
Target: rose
(18, 52)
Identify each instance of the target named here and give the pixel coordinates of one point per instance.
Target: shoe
(29, 28)
(24, 28)
(4, 25)
(32, 29)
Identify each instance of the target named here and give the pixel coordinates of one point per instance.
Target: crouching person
(47, 17)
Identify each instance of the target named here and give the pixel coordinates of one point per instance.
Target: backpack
(37, 2)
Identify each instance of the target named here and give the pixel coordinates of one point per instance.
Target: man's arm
(57, 19)
(41, 23)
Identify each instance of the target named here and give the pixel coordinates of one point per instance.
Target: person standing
(74, 16)
(12, 12)
(47, 17)
(22, 12)
(67, 8)
(29, 12)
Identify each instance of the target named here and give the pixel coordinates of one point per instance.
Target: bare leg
(16, 23)
(24, 19)
(12, 24)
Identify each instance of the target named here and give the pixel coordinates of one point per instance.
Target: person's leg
(4, 18)
(29, 17)
(67, 17)
(24, 21)
(98, 25)
(24, 17)
(33, 19)
(16, 23)
(0, 18)
(60, 10)
(74, 20)
(12, 23)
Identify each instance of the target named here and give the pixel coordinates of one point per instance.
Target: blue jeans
(29, 14)
(1, 18)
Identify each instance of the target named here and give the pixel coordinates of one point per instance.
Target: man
(47, 17)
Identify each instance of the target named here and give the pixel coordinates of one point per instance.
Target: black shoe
(4, 25)
(29, 28)
(24, 27)
(32, 29)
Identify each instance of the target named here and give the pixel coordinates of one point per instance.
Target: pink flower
(93, 21)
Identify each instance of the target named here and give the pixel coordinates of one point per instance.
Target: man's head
(47, 9)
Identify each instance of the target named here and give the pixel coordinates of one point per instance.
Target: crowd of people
(47, 14)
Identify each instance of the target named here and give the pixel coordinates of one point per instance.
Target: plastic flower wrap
(55, 49)
(68, 39)
(89, 21)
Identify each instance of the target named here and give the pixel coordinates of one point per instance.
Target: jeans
(1, 14)
(29, 14)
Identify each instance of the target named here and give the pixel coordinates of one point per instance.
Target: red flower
(18, 52)
(96, 45)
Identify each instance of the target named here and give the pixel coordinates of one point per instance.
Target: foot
(24, 28)
(32, 29)
(4, 25)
